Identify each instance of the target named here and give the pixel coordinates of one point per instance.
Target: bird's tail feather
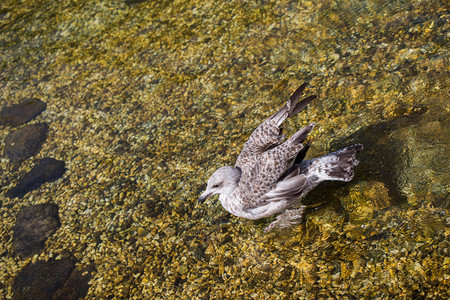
(336, 165)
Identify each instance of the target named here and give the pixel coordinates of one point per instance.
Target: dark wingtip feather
(358, 147)
(302, 104)
(292, 107)
(301, 135)
(302, 154)
(296, 95)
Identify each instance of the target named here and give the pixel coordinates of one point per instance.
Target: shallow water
(145, 100)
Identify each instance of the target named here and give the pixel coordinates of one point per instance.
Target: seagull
(270, 175)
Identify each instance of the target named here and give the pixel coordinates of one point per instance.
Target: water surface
(145, 99)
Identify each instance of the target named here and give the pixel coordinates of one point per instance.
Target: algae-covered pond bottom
(144, 100)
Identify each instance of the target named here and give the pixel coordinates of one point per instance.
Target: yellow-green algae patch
(145, 99)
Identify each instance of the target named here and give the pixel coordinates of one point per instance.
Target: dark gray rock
(18, 114)
(33, 226)
(42, 279)
(47, 170)
(77, 286)
(25, 142)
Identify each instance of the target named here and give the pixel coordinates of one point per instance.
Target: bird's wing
(270, 173)
(288, 190)
(268, 135)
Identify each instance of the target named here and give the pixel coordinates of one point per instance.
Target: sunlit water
(146, 99)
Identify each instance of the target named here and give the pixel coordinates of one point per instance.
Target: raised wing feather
(270, 174)
(268, 135)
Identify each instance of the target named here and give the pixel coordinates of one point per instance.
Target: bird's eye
(215, 186)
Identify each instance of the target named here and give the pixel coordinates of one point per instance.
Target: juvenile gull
(270, 176)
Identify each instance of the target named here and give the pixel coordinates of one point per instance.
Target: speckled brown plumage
(270, 175)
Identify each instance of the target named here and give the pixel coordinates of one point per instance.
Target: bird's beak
(203, 197)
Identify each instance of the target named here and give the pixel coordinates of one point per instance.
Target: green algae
(145, 99)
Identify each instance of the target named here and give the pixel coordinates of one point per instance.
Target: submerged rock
(365, 199)
(33, 226)
(25, 142)
(47, 170)
(77, 285)
(18, 114)
(42, 279)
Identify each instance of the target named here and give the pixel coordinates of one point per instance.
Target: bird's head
(223, 180)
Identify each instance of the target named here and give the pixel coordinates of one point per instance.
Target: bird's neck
(226, 195)
(227, 191)
(231, 202)
(234, 184)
